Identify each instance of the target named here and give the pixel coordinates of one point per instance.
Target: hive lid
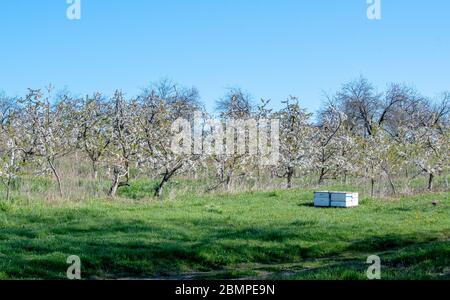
(343, 192)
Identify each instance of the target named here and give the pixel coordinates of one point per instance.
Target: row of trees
(359, 132)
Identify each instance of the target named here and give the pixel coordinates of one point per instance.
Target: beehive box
(322, 199)
(336, 199)
(342, 199)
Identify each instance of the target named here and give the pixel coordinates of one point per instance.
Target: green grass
(265, 235)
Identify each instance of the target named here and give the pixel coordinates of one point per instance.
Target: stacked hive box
(336, 199)
(322, 199)
(340, 199)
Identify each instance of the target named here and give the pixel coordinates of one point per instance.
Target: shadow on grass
(114, 248)
(387, 242)
(420, 261)
(110, 248)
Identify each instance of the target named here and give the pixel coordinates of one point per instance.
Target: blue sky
(271, 48)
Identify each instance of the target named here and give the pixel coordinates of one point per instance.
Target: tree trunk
(127, 169)
(160, 188)
(166, 177)
(94, 170)
(289, 175)
(391, 183)
(258, 176)
(115, 184)
(229, 180)
(8, 190)
(430, 181)
(58, 178)
(372, 187)
(322, 175)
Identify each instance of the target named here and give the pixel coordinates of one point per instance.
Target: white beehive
(342, 199)
(336, 199)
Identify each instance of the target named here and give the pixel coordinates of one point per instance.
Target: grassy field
(266, 235)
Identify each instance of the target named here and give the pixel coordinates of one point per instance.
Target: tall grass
(78, 184)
